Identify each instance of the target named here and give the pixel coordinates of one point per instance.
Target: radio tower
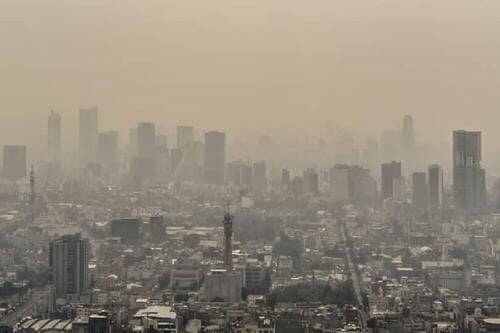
(228, 240)
(32, 186)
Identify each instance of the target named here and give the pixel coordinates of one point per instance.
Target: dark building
(128, 230)
(69, 262)
(54, 136)
(215, 157)
(88, 129)
(435, 180)
(420, 190)
(14, 162)
(260, 175)
(390, 172)
(469, 188)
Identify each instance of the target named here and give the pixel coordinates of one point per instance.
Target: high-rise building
(260, 175)
(107, 151)
(420, 190)
(352, 183)
(69, 262)
(390, 172)
(435, 179)
(88, 129)
(408, 134)
(469, 188)
(14, 162)
(185, 136)
(146, 139)
(54, 136)
(215, 157)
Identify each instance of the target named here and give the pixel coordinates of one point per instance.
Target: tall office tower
(408, 134)
(390, 172)
(107, 151)
(435, 179)
(14, 162)
(185, 136)
(311, 181)
(54, 136)
(469, 188)
(215, 157)
(69, 262)
(285, 179)
(88, 129)
(260, 175)
(420, 190)
(175, 159)
(146, 139)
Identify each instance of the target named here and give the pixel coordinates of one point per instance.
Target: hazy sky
(251, 65)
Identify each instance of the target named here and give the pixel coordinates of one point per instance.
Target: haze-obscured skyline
(251, 67)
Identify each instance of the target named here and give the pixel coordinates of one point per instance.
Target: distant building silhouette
(215, 157)
(469, 188)
(260, 176)
(435, 180)
(14, 162)
(420, 190)
(390, 172)
(146, 139)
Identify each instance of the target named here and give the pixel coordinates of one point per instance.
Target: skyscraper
(14, 162)
(420, 190)
(185, 136)
(146, 139)
(390, 172)
(469, 188)
(260, 175)
(435, 179)
(215, 157)
(408, 134)
(54, 136)
(69, 261)
(88, 129)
